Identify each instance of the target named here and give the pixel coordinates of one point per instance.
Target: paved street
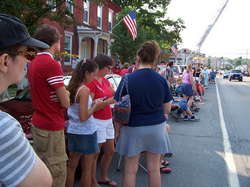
(198, 151)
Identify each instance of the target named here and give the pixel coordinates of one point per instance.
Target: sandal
(165, 163)
(165, 170)
(109, 183)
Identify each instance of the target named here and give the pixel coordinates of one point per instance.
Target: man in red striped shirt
(45, 77)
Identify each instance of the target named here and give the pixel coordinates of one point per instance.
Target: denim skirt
(187, 90)
(83, 144)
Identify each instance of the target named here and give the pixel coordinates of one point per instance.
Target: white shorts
(105, 130)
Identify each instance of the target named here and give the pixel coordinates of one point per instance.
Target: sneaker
(187, 119)
(195, 119)
(182, 116)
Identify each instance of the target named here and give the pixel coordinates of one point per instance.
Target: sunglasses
(110, 67)
(29, 54)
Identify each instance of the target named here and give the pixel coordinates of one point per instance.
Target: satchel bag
(122, 108)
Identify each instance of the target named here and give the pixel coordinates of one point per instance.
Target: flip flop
(165, 170)
(165, 163)
(109, 183)
(201, 104)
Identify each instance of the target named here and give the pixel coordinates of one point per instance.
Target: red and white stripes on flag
(174, 49)
(130, 22)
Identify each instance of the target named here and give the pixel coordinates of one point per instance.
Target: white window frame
(70, 49)
(111, 13)
(99, 15)
(71, 7)
(86, 9)
(52, 3)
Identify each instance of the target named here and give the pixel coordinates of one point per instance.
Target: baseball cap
(13, 31)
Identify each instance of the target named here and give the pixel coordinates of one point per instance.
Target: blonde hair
(179, 79)
(189, 67)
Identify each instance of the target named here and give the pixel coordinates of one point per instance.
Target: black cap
(13, 31)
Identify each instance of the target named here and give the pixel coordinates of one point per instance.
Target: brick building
(91, 36)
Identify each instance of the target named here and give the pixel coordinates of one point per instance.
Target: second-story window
(52, 3)
(69, 6)
(86, 11)
(99, 17)
(110, 20)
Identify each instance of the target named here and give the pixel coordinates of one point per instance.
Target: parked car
(21, 107)
(225, 74)
(246, 73)
(114, 79)
(177, 69)
(162, 69)
(235, 74)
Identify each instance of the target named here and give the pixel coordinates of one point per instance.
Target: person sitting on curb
(199, 88)
(182, 105)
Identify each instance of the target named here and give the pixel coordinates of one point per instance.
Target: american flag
(174, 49)
(130, 22)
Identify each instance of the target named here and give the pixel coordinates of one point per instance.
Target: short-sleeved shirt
(148, 91)
(132, 69)
(123, 72)
(100, 91)
(199, 85)
(45, 74)
(17, 158)
(117, 71)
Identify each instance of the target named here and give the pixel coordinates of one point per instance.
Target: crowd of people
(87, 98)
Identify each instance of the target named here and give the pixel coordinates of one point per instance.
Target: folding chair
(119, 163)
(174, 113)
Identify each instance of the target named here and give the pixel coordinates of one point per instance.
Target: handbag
(123, 107)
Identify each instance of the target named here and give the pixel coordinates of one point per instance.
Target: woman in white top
(82, 138)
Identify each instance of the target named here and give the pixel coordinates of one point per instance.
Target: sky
(230, 36)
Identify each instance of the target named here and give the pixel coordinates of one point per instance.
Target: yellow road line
(245, 84)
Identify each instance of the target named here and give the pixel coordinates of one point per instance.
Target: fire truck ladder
(209, 28)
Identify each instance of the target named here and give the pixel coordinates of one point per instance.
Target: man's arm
(63, 96)
(39, 176)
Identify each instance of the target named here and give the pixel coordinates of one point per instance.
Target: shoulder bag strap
(125, 81)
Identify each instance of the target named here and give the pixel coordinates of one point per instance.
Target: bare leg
(154, 176)
(109, 150)
(93, 180)
(87, 162)
(190, 101)
(130, 170)
(73, 162)
(189, 112)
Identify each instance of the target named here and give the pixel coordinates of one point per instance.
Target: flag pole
(117, 24)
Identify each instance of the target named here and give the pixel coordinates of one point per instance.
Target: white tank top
(87, 127)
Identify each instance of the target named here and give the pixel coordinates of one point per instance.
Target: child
(199, 88)
(82, 136)
(178, 88)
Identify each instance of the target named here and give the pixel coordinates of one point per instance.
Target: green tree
(152, 12)
(152, 4)
(237, 62)
(32, 12)
(209, 63)
(123, 46)
(165, 32)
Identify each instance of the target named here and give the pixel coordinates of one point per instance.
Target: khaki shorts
(50, 147)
